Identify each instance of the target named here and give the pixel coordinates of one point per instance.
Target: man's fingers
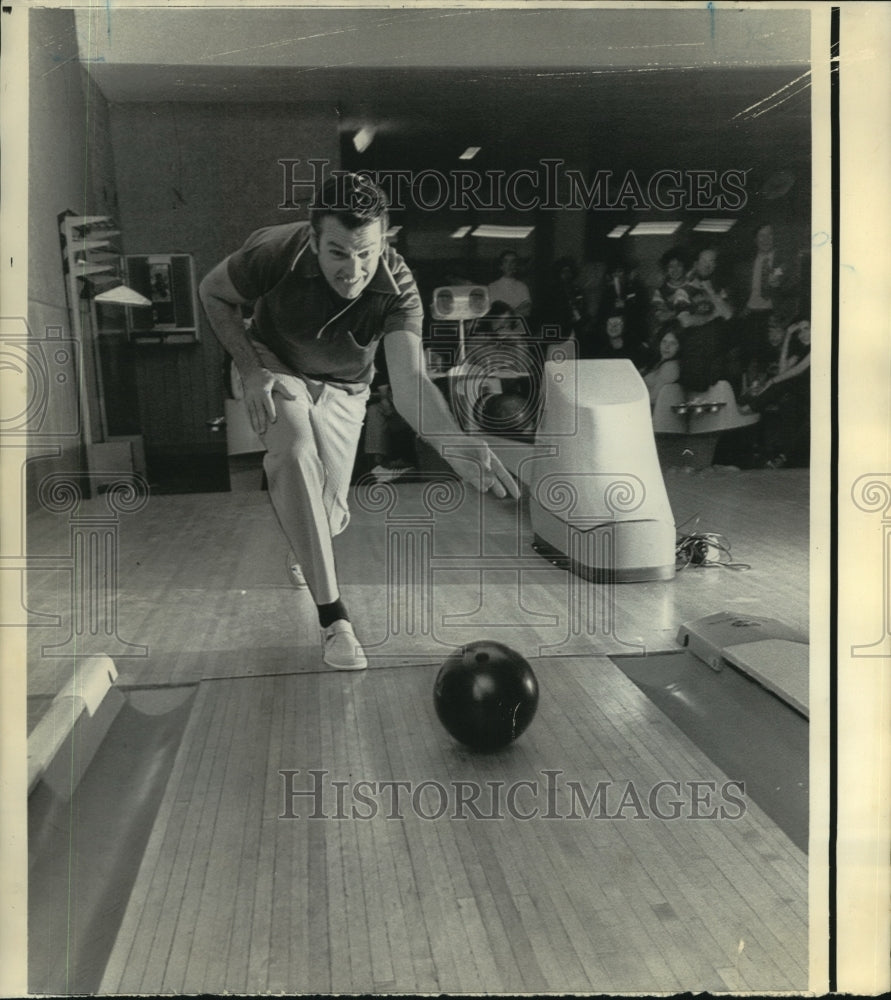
(258, 420)
(503, 482)
(283, 389)
(257, 415)
(258, 399)
(497, 489)
(485, 472)
(269, 407)
(266, 413)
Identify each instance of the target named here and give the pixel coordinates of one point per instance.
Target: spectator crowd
(690, 327)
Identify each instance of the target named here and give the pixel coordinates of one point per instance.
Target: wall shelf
(91, 265)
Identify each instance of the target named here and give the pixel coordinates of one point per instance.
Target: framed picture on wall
(168, 282)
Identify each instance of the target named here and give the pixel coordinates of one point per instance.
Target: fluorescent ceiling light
(655, 228)
(459, 234)
(470, 152)
(362, 139)
(616, 232)
(714, 225)
(392, 232)
(503, 232)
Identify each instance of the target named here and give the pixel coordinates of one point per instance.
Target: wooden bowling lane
(231, 896)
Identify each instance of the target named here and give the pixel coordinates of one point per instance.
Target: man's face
(775, 334)
(764, 239)
(702, 305)
(674, 269)
(347, 258)
(705, 263)
(615, 327)
(669, 346)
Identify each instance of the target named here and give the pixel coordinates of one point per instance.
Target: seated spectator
(667, 369)
(771, 361)
(502, 355)
(616, 342)
(671, 297)
(503, 334)
(784, 399)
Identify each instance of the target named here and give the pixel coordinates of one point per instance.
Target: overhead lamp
(363, 138)
(714, 225)
(503, 232)
(470, 152)
(617, 232)
(392, 232)
(459, 234)
(655, 229)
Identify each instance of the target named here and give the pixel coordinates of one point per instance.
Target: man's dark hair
(353, 199)
(675, 253)
(499, 309)
(702, 248)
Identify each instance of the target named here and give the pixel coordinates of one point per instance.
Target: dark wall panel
(197, 179)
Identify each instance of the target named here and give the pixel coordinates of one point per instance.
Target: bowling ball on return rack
(505, 413)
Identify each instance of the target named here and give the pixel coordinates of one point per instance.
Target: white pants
(310, 452)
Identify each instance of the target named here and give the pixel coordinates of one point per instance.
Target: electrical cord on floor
(705, 549)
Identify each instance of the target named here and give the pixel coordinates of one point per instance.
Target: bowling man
(325, 294)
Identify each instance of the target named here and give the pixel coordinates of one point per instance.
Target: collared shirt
(510, 291)
(672, 296)
(761, 272)
(700, 303)
(300, 318)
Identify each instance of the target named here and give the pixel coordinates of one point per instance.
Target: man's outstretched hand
(499, 480)
(478, 465)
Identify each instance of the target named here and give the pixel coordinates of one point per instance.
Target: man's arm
(688, 319)
(719, 301)
(721, 308)
(222, 302)
(423, 406)
(792, 372)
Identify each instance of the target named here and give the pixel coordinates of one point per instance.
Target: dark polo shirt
(300, 318)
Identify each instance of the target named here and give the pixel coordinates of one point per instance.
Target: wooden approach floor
(232, 897)
(202, 583)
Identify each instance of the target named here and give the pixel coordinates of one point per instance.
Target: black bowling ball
(485, 695)
(505, 413)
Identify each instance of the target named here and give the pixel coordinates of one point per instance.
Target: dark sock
(330, 613)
